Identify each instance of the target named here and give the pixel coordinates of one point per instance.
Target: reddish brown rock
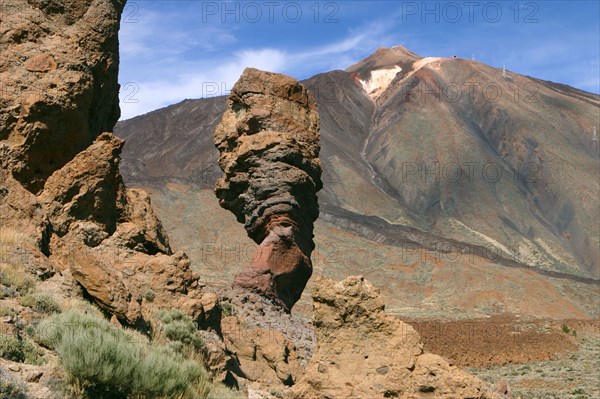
(89, 188)
(112, 242)
(41, 63)
(264, 355)
(258, 342)
(139, 227)
(132, 286)
(268, 141)
(87, 198)
(20, 211)
(504, 389)
(60, 186)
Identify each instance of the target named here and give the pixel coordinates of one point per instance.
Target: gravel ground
(572, 376)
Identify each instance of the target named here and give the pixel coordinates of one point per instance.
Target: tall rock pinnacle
(268, 141)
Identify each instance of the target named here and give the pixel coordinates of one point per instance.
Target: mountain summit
(385, 58)
(376, 72)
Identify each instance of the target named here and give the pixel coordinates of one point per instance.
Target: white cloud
(154, 33)
(179, 83)
(267, 59)
(168, 76)
(170, 55)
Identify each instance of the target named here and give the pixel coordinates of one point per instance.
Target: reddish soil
(501, 340)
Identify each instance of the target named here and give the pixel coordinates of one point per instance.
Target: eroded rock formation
(268, 141)
(362, 352)
(112, 242)
(60, 186)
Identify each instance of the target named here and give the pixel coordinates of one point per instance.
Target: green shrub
(220, 391)
(41, 303)
(566, 329)
(109, 362)
(19, 350)
(227, 309)
(180, 328)
(20, 280)
(166, 373)
(7, 312)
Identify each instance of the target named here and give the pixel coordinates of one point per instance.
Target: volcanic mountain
(449, 183)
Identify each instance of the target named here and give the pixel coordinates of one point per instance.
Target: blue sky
(173, 50)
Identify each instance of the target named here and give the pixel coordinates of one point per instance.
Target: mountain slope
(448, 155)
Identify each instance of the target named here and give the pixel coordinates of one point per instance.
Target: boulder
(132, 285)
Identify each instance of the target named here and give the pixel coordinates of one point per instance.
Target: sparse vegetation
(10, 236)
(562, 378)
(180, 329)
(19, 350)
(41, 303)
(107, 361)
(19, 280)
(567, 330)
(149, 294)
(228, 309)
(7, 312)
(220, 391)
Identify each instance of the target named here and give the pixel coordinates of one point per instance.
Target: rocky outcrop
(21, 211)
(263, 355)
(132, 285)
(362, 352)
(113, 244)
(140, 229)
(60, 185)
(257, 342)
(58, 82)
(88, 189)
(268, 141)
(87, 198)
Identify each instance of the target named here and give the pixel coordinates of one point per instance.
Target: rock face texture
(87, 189)
(87, 197)
(268, 142)
(88, 225)
(362, 352)
(60, 185)
(58, 82)
(264, 343)
(111, 241)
